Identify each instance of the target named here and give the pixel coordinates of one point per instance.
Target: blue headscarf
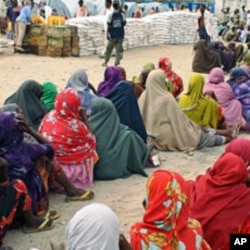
(79, 82)
(124, 99)
(238, 75)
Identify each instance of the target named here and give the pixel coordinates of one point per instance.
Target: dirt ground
(123, 195)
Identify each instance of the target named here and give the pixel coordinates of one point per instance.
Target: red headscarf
(166, 223)
(72, 141)
(240, 147)
(220, 200)
(166, 65)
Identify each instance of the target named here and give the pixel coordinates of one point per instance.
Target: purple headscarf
(112, 76)
(21, 157)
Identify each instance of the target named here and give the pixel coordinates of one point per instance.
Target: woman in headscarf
(27, 161)
(232, 108)
(198, 108)
(177, 83)
(124, 99)
(27, 97)
(112, 76)
(204, 59)
(95, 226)
(240, 83)
(79, 82)
(223, 190)
(167, 125)
(122, 152)
(167, 223)
(15, 203)
(66, 129)
(49, 93)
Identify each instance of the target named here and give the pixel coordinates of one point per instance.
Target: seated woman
(27, 97)
(223, 190)
(201, 110)
(25, 159)
(204, 59)
(167, 223)
(177, 83)
(127, 108)
(112, 76)
(67, 130)
(122, 152)
(95, 226)
(80, 83)
(15, 203)
(232, 108)
(240, 83)
(49, 93)
(167, 125)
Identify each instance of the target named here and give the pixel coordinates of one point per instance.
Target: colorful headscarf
(95, 226)
(203, 111)
(166, 65)
(166, 222)
(79, 82)
(149, 66)
(72, 141)
(218, 195)
(238, 75)
(240, 147)
(49, 95)
(216, 76)
(112, 76)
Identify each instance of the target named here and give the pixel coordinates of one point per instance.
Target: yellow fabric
(201, 110)
(163, 119)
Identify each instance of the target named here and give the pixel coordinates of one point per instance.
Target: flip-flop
(47, 224)
(88, 195)
(53, 215)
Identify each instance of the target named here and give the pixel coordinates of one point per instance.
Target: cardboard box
(42, 51)
(76, 52)
(67, 42)
(54, 52)
(55, 42)
(33, 49)
(73, 30)
(43, 41)
(67, 31)
(66, 52)
(34, 40)
(75, 41)
(56, 31)
(38, 30)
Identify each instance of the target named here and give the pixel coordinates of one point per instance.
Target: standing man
(116, 22)
(203, 25)
(82, 10)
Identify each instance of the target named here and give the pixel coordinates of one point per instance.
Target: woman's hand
(22, 120)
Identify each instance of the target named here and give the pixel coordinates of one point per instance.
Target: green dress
(121, 151)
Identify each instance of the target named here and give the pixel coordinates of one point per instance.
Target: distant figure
(138, 12)
(152, 11)
(157, 9)
(115, 36)
(226, 13)
(125, 10)
(82, 10)
(203, 28)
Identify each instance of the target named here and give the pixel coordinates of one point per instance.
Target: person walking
(116, 22)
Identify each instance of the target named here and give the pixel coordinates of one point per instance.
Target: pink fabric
(232, 108)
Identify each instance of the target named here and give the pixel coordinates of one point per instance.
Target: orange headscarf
(166, 222)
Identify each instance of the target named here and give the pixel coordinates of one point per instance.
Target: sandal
(87, 195)
(53, 215)
(47, 224)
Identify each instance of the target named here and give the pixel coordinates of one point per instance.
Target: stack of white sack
(178, 27)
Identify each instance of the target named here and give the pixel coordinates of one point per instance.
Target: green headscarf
(149, 66)
(201, 110)
(49, 94)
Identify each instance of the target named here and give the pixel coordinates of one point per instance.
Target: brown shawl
(163, 119)
(204, 59)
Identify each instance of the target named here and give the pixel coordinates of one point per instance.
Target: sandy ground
(123, 195)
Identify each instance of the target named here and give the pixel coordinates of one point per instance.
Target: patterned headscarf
(72, 141)
(166, 65)
(112, 76)
(238, 75)
(166, 223)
